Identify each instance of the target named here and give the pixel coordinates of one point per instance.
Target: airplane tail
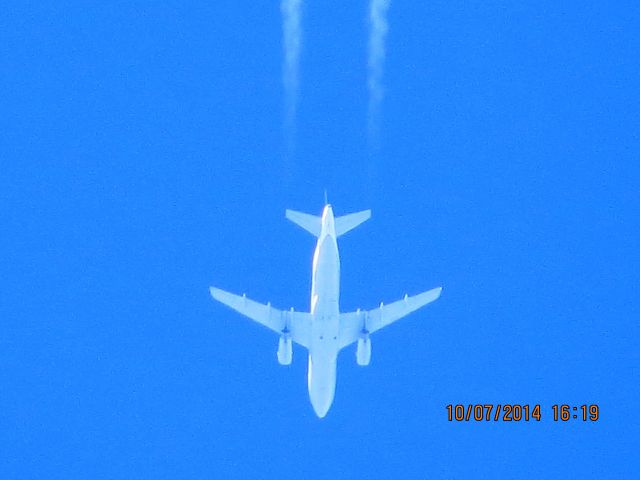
(347, 223)
(313, 223)
(310, 223)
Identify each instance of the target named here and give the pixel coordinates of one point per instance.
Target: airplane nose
(322, 383)
(321, 406)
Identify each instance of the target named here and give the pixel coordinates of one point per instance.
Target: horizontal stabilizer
(351, 221)
(310, 223)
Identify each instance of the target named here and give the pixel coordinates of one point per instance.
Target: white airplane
(324, 331)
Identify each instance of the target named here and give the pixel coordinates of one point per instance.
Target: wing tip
(431, 295)
(436, 292)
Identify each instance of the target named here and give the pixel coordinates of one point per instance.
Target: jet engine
(285, 350)
(363, 353)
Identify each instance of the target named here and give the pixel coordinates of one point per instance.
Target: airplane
(324, 330)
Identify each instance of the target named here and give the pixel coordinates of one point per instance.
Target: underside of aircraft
(324, 330)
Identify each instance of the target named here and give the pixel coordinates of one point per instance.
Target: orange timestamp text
(509, 412)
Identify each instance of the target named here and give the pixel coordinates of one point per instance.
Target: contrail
(292, 39)
(378, 28)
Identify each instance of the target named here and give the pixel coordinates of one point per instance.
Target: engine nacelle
(363, 353)
(285, 350)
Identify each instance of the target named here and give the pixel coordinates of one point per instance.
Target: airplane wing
(298, 324)
(353, 324)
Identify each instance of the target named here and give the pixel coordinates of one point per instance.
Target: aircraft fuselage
(325, 311)
(324, 331)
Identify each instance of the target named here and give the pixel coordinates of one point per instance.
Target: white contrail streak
(292, 39)
(378, 28)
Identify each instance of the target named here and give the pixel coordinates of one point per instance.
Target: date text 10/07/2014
(488, 412)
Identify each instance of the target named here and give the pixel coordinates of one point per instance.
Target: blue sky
(144, 158)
